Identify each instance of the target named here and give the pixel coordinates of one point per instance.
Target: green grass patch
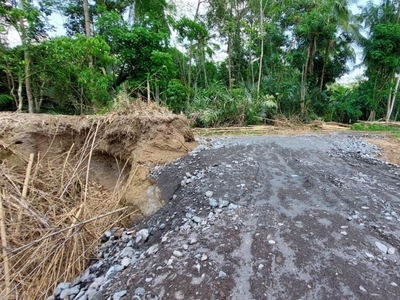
(376, 127)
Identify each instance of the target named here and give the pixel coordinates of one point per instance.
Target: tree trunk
(191, 52)
(20, 99)
(326, 57)
(27, 59)
(229, 63)
(87, 17)
(390, 108)
(28, 81)
(308, 67)
(262, 48)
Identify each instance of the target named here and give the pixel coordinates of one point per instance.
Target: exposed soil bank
(124, 148)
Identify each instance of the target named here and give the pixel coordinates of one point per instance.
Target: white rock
(209, 194)
(192, 241)
(362, 288)
(177, 253)
(119, 295)
(381, 247)
(204, 257)
(391, 250)
(221, 274)
(369, 255)
(393, 283)
(343, 232)
(144, 233)
(126, 261)
(271, 242)
(197, 219)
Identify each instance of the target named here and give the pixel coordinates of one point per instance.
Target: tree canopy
(234, 62)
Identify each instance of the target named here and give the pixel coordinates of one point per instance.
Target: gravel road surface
(307, 217)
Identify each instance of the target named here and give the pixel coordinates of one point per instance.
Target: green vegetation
(235, 62)
(376, 127)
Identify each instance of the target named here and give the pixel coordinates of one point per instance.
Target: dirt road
(307, 217)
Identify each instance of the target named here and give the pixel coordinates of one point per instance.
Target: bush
(216, 106)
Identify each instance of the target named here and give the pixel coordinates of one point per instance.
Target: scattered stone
(362, 289)
(260, 267)
(197, 219)
(144, 233)
(213, 202)
(393, 283)
(162, 226)
(118, 234)
(369, 255)
(149, 279)
(126, 261)
(192, 241)
(232, 206)
(349, 218)
(127, 252)
(204, 257)
(364, 207)
(113, 270)
(119, 295)
(177, 253)
(343, 232)
(223, 203)
(140, 291)
(221, 274)
(271, 242)
(278, 259)
(152, 250)
(69, 292)
(179, 295)
(185, 246)
(61, 286)
(381, 247)
(209, 194)
(391, 250)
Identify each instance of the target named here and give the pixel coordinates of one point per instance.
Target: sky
(188, 8)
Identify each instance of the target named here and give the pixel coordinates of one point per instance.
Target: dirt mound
(64, 180)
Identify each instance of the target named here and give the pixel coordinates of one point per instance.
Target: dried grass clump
(51, 219)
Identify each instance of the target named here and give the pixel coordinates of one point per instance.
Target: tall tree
(382, 56)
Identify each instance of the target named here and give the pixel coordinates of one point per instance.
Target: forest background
(232, 62)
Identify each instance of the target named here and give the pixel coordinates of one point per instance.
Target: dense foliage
(234, 62)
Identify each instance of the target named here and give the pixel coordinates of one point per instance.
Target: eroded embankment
(61, 179)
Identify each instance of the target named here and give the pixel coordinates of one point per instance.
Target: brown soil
(390, 148)
(43, 235)
(126, 146)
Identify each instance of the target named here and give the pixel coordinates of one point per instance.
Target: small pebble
(119, 295)
(271, 242)
(177, 253)
(209, 194)
(192, 241)
(204, 257)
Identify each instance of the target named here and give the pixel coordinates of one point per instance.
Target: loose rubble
(238, 225)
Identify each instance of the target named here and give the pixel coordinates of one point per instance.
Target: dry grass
(52, 217)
